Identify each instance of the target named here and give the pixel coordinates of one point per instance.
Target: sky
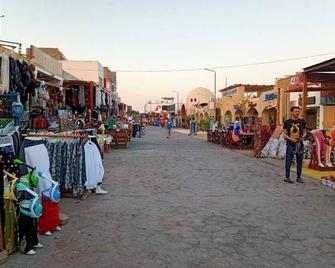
(177, 34)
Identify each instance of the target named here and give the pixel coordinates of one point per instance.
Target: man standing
(237, 126)
(294, 132)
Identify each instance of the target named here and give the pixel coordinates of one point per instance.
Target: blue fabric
(237, 130)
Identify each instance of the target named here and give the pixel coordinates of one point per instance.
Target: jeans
(290, 152)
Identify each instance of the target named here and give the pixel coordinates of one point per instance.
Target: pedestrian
(294, 132)
(169, 125)
(193, 126)
(237, 126)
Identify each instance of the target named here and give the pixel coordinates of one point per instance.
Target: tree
(135, 113)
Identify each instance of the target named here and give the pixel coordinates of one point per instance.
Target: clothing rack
(54, 136)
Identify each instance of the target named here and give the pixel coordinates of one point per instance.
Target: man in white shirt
(215, 126)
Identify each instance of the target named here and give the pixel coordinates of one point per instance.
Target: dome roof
(201, 91)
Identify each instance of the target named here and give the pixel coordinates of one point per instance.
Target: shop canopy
(318, 77)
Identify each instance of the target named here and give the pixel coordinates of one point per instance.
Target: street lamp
(177, 100)
(213, 71)
(145, 106)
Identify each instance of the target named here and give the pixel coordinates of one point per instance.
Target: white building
(199, 100)
(85, 70)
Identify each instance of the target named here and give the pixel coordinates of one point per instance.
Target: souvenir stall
(319, 78)
(39, 163)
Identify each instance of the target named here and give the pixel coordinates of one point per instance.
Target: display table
(119, 138)
(247, 140)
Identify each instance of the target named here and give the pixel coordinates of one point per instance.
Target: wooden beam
(320, 77)
(328, 64)
(304, 98)
(91, 96)
(278, 107)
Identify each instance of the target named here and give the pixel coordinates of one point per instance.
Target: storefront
(52, 160)
(315, 87)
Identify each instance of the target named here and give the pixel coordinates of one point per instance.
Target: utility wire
(215, 67)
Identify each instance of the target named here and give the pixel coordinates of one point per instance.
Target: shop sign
(311, 100)
(168, 108)
(229, 92)
(269, 97)
(298, 79)
(327, 97)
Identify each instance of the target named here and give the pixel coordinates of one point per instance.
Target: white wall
(85, 70)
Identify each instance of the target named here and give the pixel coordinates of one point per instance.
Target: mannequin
(50, 195)
(30, 209)
(42, 95)
(332, 143)
(323, 149)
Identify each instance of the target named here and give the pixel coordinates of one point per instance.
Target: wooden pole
(304, 98)
(91, 97)
(278, 107)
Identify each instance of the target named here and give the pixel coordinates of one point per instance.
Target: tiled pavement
(183, 202)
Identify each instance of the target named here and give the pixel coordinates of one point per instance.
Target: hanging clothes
(15, 84)
(10, 218)
(24, 72)
(67, 163)
(94, 166)
(10, 229)
(37, 156)
(97, 97)
(81, 96)
(4, 88)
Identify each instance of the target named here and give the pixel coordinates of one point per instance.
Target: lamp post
(177, 100)
(213, 71)
(145, 106)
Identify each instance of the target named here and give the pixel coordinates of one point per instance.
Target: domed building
(197, 102)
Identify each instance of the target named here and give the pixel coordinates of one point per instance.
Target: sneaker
(48, 233)
(39, 245)
(31, 252)
(300, 180)
(288, 180)
(58, 228)
(100, 191)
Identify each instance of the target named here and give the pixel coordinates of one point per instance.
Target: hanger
(11, 183)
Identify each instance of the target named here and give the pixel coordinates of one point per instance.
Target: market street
(183, 202)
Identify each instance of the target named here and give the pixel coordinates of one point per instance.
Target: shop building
(249, 101)
(85, 70)
(313, 89)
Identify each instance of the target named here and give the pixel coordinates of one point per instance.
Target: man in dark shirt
(294, 132)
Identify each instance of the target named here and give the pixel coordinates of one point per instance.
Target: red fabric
(40, 122)
(50, 217)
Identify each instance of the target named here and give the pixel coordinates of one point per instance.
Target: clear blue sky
(155, 34)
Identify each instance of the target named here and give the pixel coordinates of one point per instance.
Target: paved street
(183, 202)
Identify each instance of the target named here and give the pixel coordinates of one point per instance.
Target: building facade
(257, 101)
